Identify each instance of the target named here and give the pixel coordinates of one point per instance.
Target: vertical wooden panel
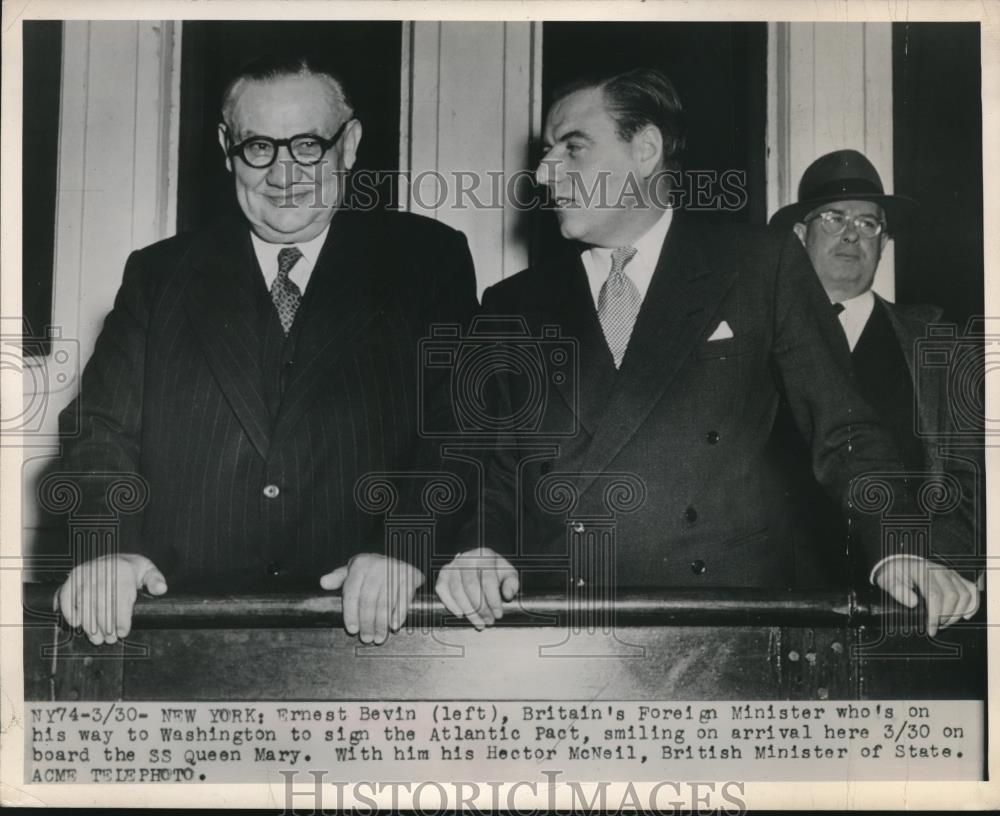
(69, 194)
(108, 171)
(116, 183)
(470, 116)
(471, 135)
(801, 111)
(425, 67)
(67, 279)
(879, 131)
(838, 90)
(157, 124)
(779, 183)
(522, 114)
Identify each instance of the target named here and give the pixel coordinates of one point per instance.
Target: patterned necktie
(285, 295)
(618, 304)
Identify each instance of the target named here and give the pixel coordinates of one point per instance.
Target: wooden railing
(676, 644)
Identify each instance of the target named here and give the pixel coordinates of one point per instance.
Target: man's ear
(225, 146)
(800, 230)
(648, 146)
(350, 141)
(884, 239)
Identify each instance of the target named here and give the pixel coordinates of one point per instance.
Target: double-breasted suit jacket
(251, 445)
(733, 317)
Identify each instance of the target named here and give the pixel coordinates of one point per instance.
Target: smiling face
(288, 202)
(597, 179)
(845, 263)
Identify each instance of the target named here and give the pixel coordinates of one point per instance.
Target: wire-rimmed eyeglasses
(834, 222)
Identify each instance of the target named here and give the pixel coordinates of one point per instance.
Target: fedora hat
(843, 175)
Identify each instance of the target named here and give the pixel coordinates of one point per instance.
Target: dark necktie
(618, 304)
(837, 308)
(285, 295)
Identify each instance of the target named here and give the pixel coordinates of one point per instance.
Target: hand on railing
(947, 595)
(99, 594)
(377, 593)
(472, 584)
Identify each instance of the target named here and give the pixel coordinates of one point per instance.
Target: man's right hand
(472, 584)
(99, 595)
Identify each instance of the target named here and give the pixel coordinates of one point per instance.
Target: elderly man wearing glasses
(252, 372)
(844, 220)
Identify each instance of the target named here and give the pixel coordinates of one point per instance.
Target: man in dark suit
(686, 334)
(844, 220)
(252, 372)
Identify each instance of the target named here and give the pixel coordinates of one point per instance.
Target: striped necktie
(618, 304)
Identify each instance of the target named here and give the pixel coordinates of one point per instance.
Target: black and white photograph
(495, 406)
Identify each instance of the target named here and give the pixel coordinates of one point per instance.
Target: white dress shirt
(597, 260)
(267, 257)
(856, 312)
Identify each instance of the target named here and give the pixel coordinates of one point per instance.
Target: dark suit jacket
(176, 391)
(822, 542)
(938, 397)
(687, 415)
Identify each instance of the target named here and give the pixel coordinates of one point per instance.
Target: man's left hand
(377, 593)
(947, 594)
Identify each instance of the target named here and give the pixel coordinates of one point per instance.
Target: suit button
(577, 527)
(712, 437)
(698, 567)
(546, 468)
(273, 568)
(272, 491)
(691, 515)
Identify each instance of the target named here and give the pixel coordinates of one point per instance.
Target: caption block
(104, 743)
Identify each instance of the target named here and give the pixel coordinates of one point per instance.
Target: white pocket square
(722, 332)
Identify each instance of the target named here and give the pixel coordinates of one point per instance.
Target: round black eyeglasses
(306, 148)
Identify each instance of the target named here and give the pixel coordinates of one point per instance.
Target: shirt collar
(597, 260)
(856, 312)
(310, 249)
(650, 244)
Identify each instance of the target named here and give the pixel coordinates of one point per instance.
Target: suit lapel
(572, 305)
(222, 304)
(905, 331)
(348, 286)
(931, 390)
(683, 295)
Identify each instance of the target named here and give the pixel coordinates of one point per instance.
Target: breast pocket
(720, 349)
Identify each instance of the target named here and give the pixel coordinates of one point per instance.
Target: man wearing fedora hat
(844, 219)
